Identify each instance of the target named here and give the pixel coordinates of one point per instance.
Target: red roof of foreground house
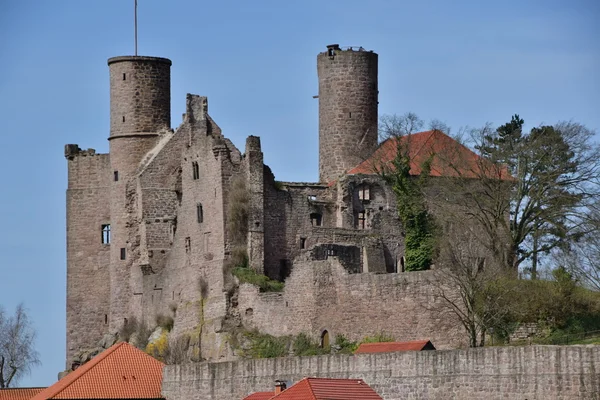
(19, 393)
(120, 372)
(260, 396)
(448, 157)
(389, 347)
(325, 389)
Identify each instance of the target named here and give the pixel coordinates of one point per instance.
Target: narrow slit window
(124, 76)
(195, 171)
(188, 245)
(105, 319)
(316, 219)
(116, 174)
(123, 118)
(200, 213)
(106, 234)
(123, 253)
(302, 243)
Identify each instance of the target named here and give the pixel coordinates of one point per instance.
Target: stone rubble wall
(532, 372)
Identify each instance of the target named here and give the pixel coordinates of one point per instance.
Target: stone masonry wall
(533, 373)
(347, 110)
(322, 295)
(88, 258)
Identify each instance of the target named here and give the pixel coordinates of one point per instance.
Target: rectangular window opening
(106, 234)
(116, 176)
(188, 244)
(124, 76)
(123, 118)
(302, 243)
(361, 220)
(316, 219)
(123, 253)
(363, 192)
(195, 171)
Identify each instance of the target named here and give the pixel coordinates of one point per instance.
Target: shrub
(377, 338)
(344, 345)
(238, 211)
(262, 345)
(164, 321)
(305, 346)
(247, 275)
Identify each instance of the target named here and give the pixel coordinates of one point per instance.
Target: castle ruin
(155, 225)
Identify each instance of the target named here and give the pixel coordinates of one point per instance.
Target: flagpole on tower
(135, 25)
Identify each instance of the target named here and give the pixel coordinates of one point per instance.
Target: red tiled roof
(19, 393)
(328, 389)
(260, 396)
(449, 158)
(388, 347)
(120, 372)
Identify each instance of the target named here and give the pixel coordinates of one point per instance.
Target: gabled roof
(448, 157)
(389, 347)
(120, 372)
(19, 393)
(324, 389)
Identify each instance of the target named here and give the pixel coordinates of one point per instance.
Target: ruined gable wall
(492, 373)
(321, 295)
(193, 277)
(87, 258)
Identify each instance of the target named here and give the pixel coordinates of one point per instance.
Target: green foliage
(377, 338)
(262, 345)
(248, 275)
(164, 321)
(303, 345)
(560, 307)
(418, 223)
(344, 345)
(278, 185)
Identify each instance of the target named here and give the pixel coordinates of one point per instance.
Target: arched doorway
(325, 339)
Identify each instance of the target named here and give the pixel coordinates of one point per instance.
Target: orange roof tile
(260, 396)
(19, 393)
(328, 389)
(120, 372)
(388, 347)
(449, 158)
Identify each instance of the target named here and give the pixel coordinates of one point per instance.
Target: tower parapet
(347, 109)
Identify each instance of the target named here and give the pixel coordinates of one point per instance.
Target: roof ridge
(71, 378)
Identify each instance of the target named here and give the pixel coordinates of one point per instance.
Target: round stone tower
(347, 109)
(140, 109)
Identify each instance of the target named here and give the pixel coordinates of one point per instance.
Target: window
(364, 193)
(123, 253)
(199, 213)
(195, 170)
(116, 175)
(316, 219)
(106, 234)
(123, 118)
(312, 197)
(188, 245)
(124, 76)
(105, 319)
(302, 243)
(361, 220)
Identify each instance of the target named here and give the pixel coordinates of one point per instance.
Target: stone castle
(155, 226)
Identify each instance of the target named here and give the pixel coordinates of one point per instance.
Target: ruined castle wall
(87, 258)
(321, 295)
(534, 372)
(276, 202)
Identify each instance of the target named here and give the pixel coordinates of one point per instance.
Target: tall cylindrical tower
(347, 109)
(140, 109)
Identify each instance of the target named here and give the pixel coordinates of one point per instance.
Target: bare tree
(471, 287)
(17, 352)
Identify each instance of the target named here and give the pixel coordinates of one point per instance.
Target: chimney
(280, 386)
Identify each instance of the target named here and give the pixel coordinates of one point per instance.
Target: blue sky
(462, 62)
